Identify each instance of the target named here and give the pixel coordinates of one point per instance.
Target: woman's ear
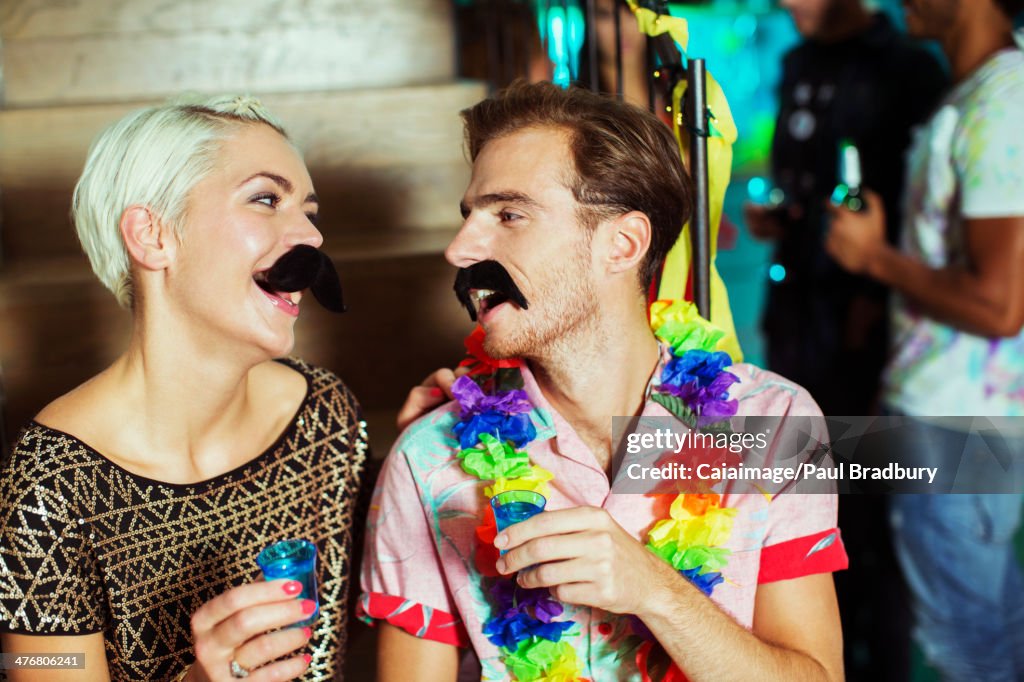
(630, 241)
(147, 239)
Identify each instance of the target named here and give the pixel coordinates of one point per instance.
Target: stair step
(389, 159)
(78, 51)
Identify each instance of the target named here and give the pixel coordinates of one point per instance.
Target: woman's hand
(432, 391)
(247, 625)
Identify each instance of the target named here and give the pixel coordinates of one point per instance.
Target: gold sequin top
(86, 546)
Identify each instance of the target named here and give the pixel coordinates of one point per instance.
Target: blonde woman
(133, 507)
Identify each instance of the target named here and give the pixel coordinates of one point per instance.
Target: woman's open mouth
(285, 301)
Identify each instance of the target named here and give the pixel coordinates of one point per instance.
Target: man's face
(811, 17)
(931, 18)
(519, 213)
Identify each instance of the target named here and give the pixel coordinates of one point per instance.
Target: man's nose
(469, 246)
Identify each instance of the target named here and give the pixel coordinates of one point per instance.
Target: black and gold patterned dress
(87, 547)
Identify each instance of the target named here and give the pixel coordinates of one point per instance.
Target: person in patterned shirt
(958, 342)
(133, 507)
(578, 197)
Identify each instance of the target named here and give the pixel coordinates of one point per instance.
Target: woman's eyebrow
(281, 181)
(284, 183)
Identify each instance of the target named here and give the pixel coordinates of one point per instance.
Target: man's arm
(399, 654)
(984, 297)
(796, 633)
(89, 647)
(586, 558)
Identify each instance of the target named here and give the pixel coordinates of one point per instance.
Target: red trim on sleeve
(418, 620)
(818, 553)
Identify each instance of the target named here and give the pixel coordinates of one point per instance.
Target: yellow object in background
(679, 262)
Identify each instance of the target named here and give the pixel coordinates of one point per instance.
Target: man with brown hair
(574, 200)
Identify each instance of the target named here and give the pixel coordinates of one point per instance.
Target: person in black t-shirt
(853, 77)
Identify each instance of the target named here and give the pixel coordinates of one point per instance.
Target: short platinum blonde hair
(152, 157)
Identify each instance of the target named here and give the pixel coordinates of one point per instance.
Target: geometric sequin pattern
(87, 547)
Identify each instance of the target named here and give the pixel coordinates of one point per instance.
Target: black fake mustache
(488, 274)
(305, 267)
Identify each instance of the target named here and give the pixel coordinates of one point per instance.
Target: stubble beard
(559, 314)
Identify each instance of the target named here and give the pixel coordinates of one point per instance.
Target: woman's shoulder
(46, 459)
(74, 410)
(42, 446)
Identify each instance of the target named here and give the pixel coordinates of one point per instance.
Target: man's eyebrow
(284, 183)
(497, 198)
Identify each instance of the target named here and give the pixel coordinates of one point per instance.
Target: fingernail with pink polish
(308, 606)
(308, 632)
(292, 587)
(308, 658)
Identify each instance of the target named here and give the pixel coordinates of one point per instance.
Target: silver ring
(237, 671)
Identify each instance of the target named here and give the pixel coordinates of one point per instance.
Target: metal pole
(616, 6)
(700, 224)
(595, 70)
(491, 19)
(652, 82)
(507, 22)
(566, 45)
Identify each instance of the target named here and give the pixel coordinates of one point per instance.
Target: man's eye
(507, 217)
(266, 198)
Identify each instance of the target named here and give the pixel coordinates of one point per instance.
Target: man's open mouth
(486, 285)
(486, 299)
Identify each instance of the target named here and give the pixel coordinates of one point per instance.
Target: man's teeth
(481, 294)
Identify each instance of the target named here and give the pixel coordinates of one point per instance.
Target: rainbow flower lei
(493, 429)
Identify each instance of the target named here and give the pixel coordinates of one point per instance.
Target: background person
(958, 345)
(854, 76)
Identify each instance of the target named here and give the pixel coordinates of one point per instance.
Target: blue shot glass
(293, 560)
(512, 506)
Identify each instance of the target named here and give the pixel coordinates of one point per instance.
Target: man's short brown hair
(624, 158)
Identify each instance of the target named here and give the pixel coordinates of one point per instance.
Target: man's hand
(855, 239)
(432, 391)
(586, 558)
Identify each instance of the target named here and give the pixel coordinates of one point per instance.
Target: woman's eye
(267, 199)
(312, 217)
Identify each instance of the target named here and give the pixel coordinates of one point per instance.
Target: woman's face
(256, 205)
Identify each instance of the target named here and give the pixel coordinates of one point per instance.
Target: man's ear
(630, 241)
(148, 240)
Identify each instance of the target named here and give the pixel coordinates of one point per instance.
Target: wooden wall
(368, 92)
